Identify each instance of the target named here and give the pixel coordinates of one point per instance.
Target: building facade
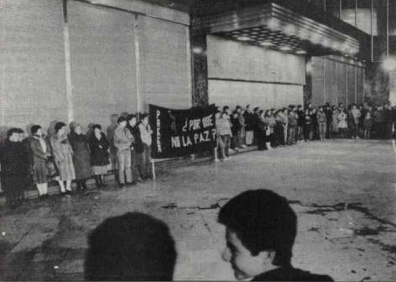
(69, 60)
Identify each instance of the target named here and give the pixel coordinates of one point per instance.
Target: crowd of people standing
(287, 126)
(67, 154)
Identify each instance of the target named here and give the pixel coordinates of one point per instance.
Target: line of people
(68, 156)
(273, 128)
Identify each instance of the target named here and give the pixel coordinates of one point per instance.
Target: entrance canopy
(278, 28)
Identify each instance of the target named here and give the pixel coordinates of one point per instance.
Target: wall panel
(234, 60)
(264, 95)
(350, 82)
(318, 81)
(165, 63)
(102, 62)
(335, 82)
(32, 63)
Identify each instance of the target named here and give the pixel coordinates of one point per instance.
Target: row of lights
(269, 44)
(316, 39)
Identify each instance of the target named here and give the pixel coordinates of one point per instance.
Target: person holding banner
(145, 135)
(123, 140)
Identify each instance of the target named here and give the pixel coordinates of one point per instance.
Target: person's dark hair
(225, 108)
(96, 126)
(121, 119)
(262, 220)
(143, 116)
(267, 113)
(35, 128)
(20, 130)
(133, 246)
(130, 117)
(261, 112)
(238, 108)
(58, 126)
(12, 131)
(256, 109)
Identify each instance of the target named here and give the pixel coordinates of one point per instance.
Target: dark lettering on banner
(178, 133)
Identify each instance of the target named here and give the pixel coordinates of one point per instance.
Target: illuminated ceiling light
(325, 43)
(290, 29)
(197, 50)
(266, 43)
(285, 48)
(273, 24)
(389, 64)
(243, 38)
(301, 52)
(315, 39)
(304, 34)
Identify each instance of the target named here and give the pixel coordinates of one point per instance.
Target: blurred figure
(63, 154)
(353, 121)
(322, 122)
(130, 247)
(292, 126)
(261, 228)
(81, 155)
(99, 146)
(368, 124)
(145, 135)
(300, 123)
(241, 127)
(123, 140)
(308, 127)
(262, 132)
(224, 132)
(13, 170)
(136, 149)
(334, 122)
(270, 122)
(342, 124)
(249, 121)
(40, 153)
(113, 149)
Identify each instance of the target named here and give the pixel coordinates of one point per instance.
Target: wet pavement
(343, 191)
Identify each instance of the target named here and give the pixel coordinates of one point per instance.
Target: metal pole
(356, 4)
(372, 30)
(387, 28)
(324, 80)
(340, 9)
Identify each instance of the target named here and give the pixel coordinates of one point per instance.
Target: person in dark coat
(12, 168)
(262, 132)
(137, 149)
(81, 156)
(379, 122)
(100, 157)
(261, 228)
(388, 120)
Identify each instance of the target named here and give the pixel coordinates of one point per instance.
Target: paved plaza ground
(343, 191)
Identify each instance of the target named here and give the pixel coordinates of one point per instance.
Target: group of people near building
(273, 128)
(67, 154)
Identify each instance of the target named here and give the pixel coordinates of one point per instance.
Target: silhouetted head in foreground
(133, 246)
(261, 228)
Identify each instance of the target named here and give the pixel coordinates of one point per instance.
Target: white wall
(241, 74)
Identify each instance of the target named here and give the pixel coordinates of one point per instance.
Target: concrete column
(199, 61)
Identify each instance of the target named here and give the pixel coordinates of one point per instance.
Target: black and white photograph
(197, 140)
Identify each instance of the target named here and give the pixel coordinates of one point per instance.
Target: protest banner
(179, 133)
